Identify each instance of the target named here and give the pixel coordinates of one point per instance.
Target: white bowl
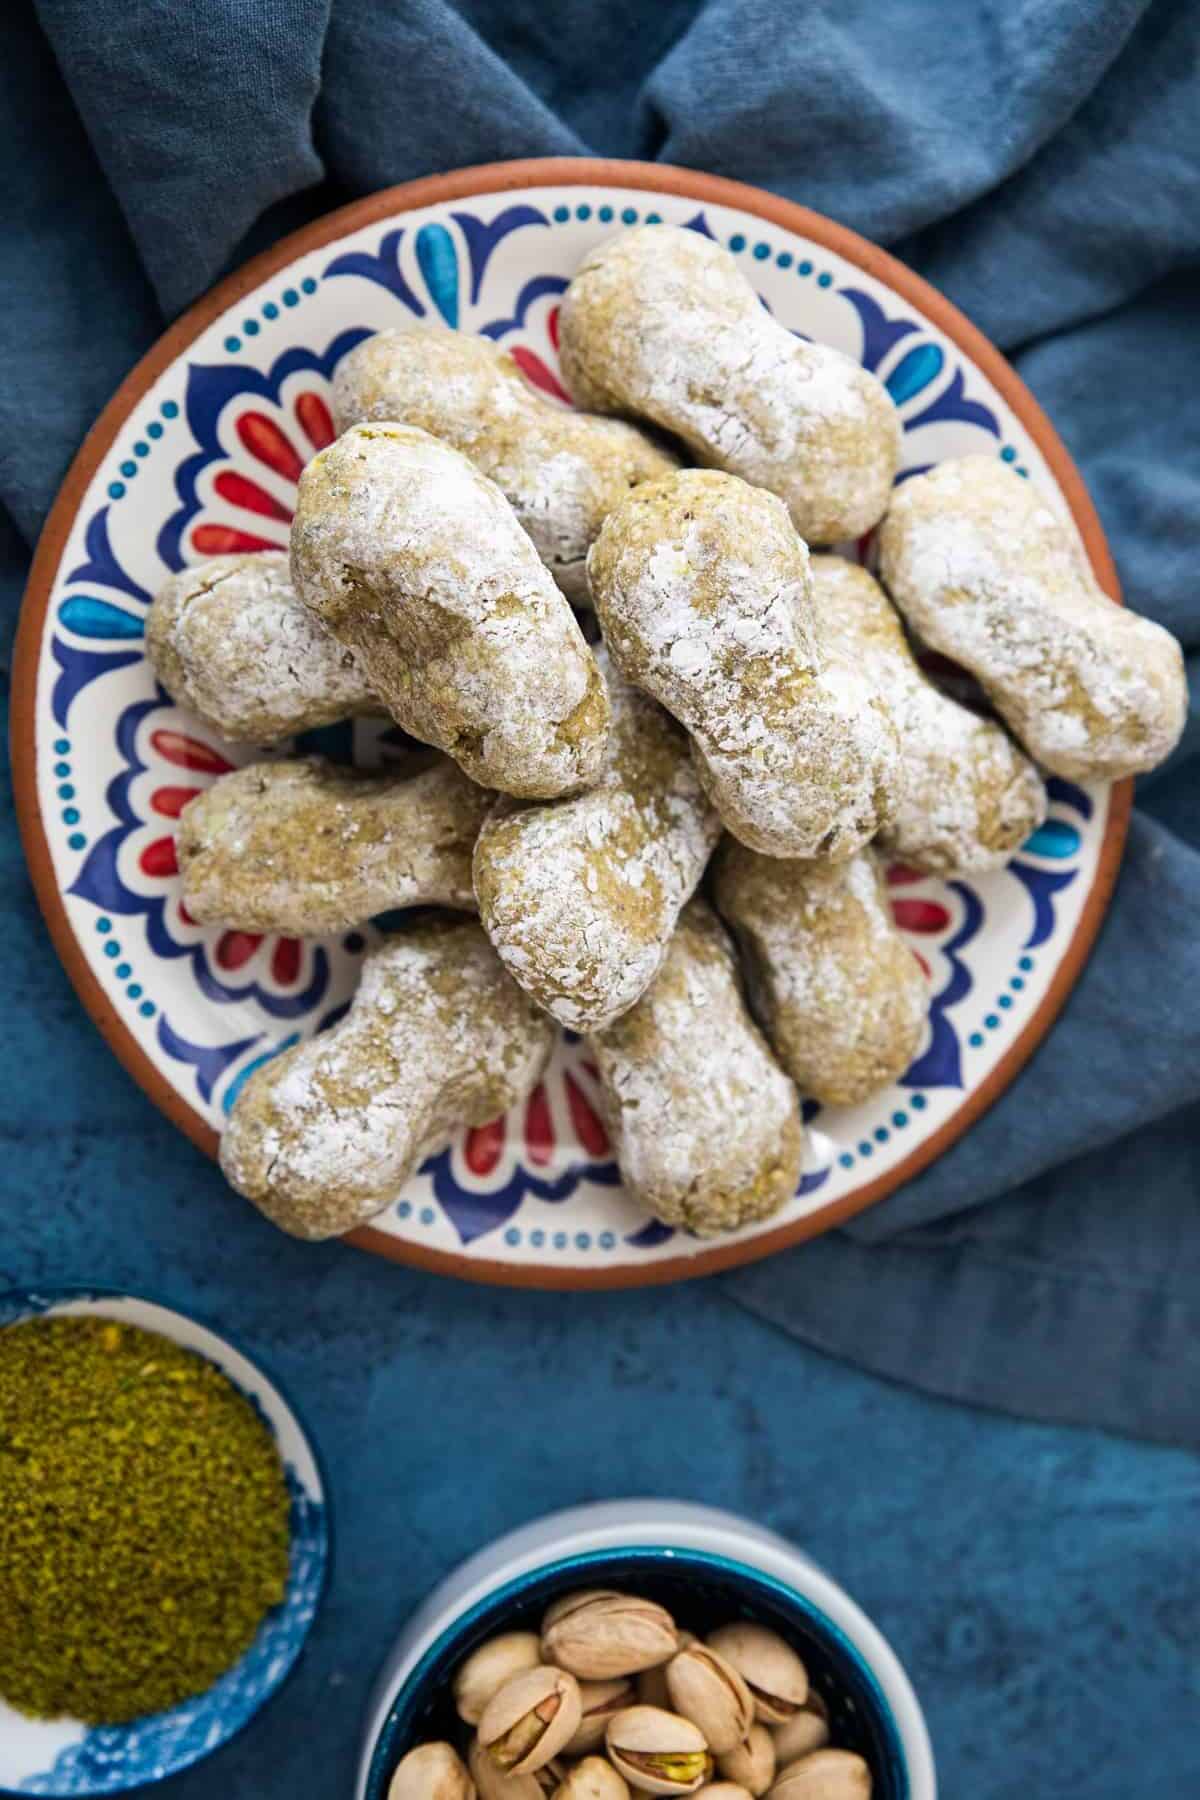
(60, 1757)
(700, 1560)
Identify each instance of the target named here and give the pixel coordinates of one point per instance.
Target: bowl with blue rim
(707, 1567)
(64, 1757)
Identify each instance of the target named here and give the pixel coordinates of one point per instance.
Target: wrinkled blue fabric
(1039, 161)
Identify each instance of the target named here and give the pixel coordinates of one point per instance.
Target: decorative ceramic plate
(199, 453)
(61, 1757)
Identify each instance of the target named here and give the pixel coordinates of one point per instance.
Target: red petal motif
(262, 437)
(285, 961)
(225, 540)
(170, 801)
(239, 490)
(920, 915)
(235, 948)
(483, 1147)
(588, 1127)
(159, 858)
(312, 416)
(539, 1127)
(534, 370)
(188, 752)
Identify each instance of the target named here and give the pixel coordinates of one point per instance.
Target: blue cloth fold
(1039, 161)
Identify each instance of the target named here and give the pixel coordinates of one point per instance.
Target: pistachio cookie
(968, 797)
(705, 1124)
(411, 558)
(562, 472)
(988, 574)
(437, 1036)
(580, 896)
(840, 995)
(702, 589)
(305, 847)
(230, 641)
(661, 324)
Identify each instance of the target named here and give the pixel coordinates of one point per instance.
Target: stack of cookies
(635, 681)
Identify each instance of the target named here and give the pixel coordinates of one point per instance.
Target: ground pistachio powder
(143, 1520)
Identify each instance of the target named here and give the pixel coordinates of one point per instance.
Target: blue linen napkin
(1039, 161)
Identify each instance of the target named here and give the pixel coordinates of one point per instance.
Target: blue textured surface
(1040, 162)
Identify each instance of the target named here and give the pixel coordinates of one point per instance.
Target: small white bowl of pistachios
(643, 1647)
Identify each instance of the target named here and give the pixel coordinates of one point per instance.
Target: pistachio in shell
(777, 1679)
(601, 1699)
(825, 1775)
(752, 1765)
(598, 1635)
(431, 1772)
(652, 1683)
(709, 1691)
(806, 1731)
(657, 1751)
(530, 1719)
(492, 1784)
(487, 1669)
(567, 1603)
(592, 1779)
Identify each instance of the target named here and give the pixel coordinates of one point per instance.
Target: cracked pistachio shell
(598, 1635)
(652, 1683)
(431, 1772)
(658, 1752)
(806, 1731)
(593, 1779)
(772, 1671)
(530, 1719)
(566, 1603)
(709, 1691)
(752, 1765)
(487, 1669)
(825, 1775)
(601, 1699)
(493, 1785)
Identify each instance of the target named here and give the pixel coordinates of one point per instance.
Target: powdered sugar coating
(562, 472)
(968, 797)
(305, 847)
(230, 641)
(660, 323)
(437, 1036)
(988, 574)
(705, 1124)
(840, 995)
(580, 896)
(408, 555)
(703, 591)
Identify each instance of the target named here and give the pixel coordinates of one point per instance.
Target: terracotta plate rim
(490, 178)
